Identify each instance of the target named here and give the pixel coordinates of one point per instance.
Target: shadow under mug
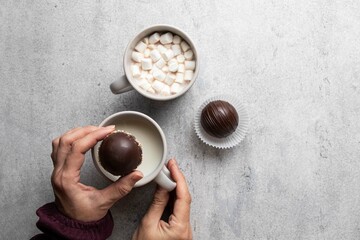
(153, 143)
(126, 83)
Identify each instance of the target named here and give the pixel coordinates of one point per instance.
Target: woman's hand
(72, 198)
(178, 226)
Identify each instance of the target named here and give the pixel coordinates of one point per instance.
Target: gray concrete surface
(295, 65)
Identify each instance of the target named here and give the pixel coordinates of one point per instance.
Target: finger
(183, 197)
(55, 146)
(72, 130)
(157, 207)
(121, 187)
(75, 159)
(68, 139)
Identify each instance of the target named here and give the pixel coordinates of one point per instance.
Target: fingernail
(137, 176)
(110, 127)
(174, 163)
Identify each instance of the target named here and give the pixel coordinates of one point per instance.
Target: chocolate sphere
(219, 119)
(120, 153)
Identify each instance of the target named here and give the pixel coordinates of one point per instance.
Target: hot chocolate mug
(153, 142)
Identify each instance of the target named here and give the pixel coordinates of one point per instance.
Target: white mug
(153, 142)
(126, 82)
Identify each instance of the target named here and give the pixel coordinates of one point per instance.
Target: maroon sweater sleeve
(55, 225)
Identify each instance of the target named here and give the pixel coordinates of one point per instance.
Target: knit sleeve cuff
(54, 223)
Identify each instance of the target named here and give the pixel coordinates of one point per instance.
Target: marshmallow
(158, 74)
(154, 38)
(179, 78)
(135, 69)
(189, 55)
(152, 46)
(136, 56)
(189, 65)
(146, 64)
(184, 46)
(151, 90)
(166, 38)
(168, 46)
(140, 47)
(161, 48)
(188, 75)
(149, 78)
(146, 40)
(155, 55)
(165, 90)
(175, 88)
(143, 74)
(145, 85)
(158, 86)
(161, 63)
(173, 65)
(147, 53)
(170, 78)
(169, 54)
(180, 58)
(176, 39)
(181, 68)
(176, 49)
(165, 69)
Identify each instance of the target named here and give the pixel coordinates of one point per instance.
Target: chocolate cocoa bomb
(219, 119)
(120, 153)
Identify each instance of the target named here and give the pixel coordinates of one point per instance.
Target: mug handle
(164, 179)
(121, 85)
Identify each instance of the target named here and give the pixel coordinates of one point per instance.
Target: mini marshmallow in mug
(189, 55)
(136, 56)
(140, 47)
(146, 64)
(184, 46)
(188, 75)
(155, 55)
(176, 39)
(189, 65)
(173, 65)
(169, 79)
(147, 53)
(154, 38)
(181, 68)
(179, 78)
(166, 38)
(180, 58)
(168, 54)
(165, 90)
(175, 88)
(176, 49)
(160, 63)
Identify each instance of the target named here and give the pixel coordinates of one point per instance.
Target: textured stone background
(295, 65)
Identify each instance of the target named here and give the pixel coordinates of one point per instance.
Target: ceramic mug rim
(145, 32)
(148, 178)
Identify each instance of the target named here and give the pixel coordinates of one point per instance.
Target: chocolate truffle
(120, 153)
(219, 119)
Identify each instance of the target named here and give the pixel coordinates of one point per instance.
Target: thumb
(121, 187)
(153, 215)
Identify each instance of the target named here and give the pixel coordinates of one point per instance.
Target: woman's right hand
(178, 226)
